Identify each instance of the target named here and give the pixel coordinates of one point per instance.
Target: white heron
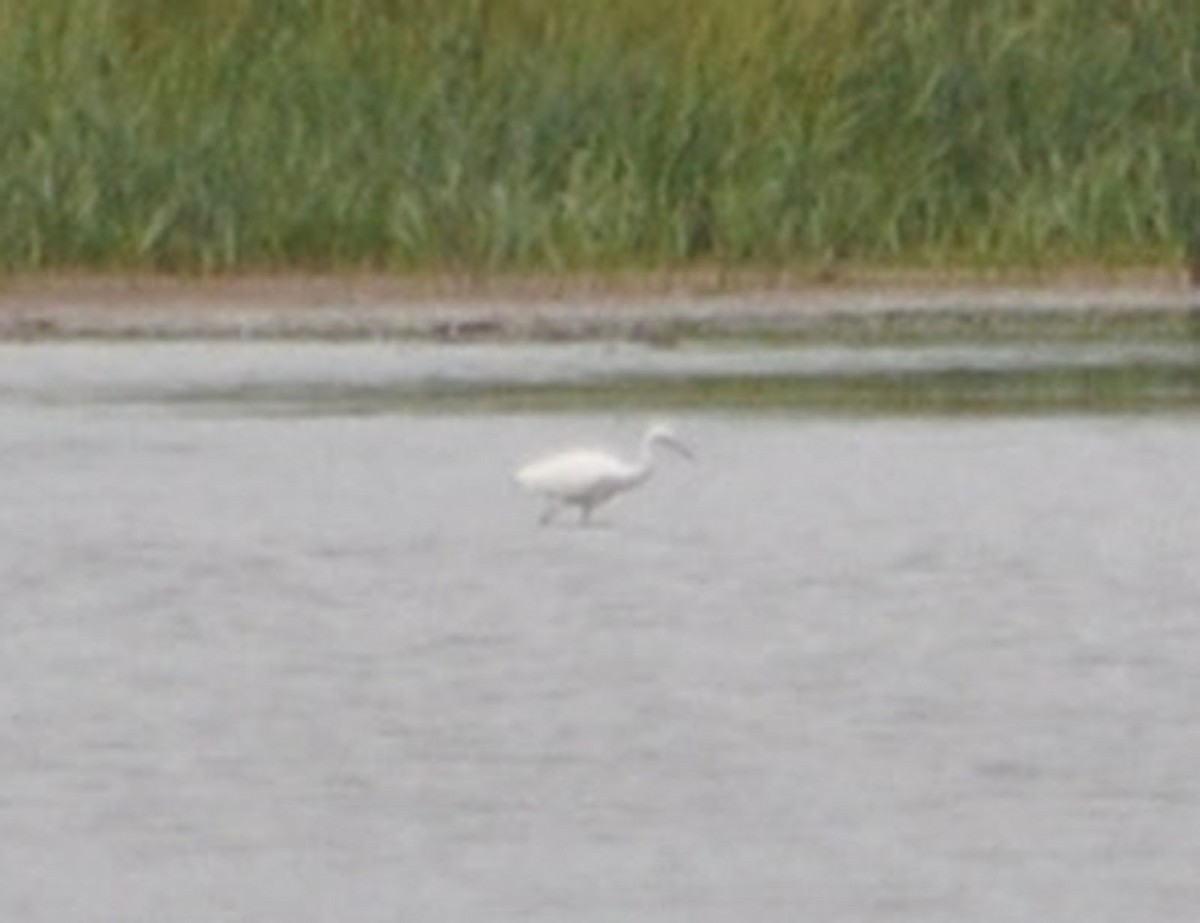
(587, 477)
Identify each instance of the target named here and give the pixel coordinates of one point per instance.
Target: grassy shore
(486, 136)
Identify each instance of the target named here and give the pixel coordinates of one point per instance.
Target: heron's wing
(571, 473)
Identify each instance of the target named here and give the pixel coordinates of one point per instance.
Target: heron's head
(663, 434)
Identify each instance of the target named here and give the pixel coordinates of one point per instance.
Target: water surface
(325, 666)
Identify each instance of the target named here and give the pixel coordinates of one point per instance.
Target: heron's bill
(680, 448)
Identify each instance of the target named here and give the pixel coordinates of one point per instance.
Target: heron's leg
(549, 513)
(585, 513)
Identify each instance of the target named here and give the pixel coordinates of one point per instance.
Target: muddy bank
(650, 307)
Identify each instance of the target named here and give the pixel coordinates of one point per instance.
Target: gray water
(328, 667)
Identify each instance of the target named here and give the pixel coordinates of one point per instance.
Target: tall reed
(532, 134)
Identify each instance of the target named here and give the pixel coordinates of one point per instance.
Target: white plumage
(587, 478)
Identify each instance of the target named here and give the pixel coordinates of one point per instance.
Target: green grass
(517, 135)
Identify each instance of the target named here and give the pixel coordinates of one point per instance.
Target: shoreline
(652, 305)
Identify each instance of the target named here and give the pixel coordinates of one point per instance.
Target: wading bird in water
(586, 477)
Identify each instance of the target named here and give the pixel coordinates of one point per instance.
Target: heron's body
(586, 478)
